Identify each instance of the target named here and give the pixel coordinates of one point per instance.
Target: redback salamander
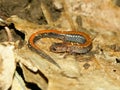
(73, 42)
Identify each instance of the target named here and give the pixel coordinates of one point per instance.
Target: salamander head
(58, 48)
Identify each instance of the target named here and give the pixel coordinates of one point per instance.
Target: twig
(10, 38)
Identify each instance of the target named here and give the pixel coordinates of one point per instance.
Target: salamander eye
(53, 49)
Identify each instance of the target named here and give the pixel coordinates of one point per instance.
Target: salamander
(73, 42)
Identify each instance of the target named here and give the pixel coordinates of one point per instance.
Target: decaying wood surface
(97, 70)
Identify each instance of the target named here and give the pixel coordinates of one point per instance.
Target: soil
(28, 9)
